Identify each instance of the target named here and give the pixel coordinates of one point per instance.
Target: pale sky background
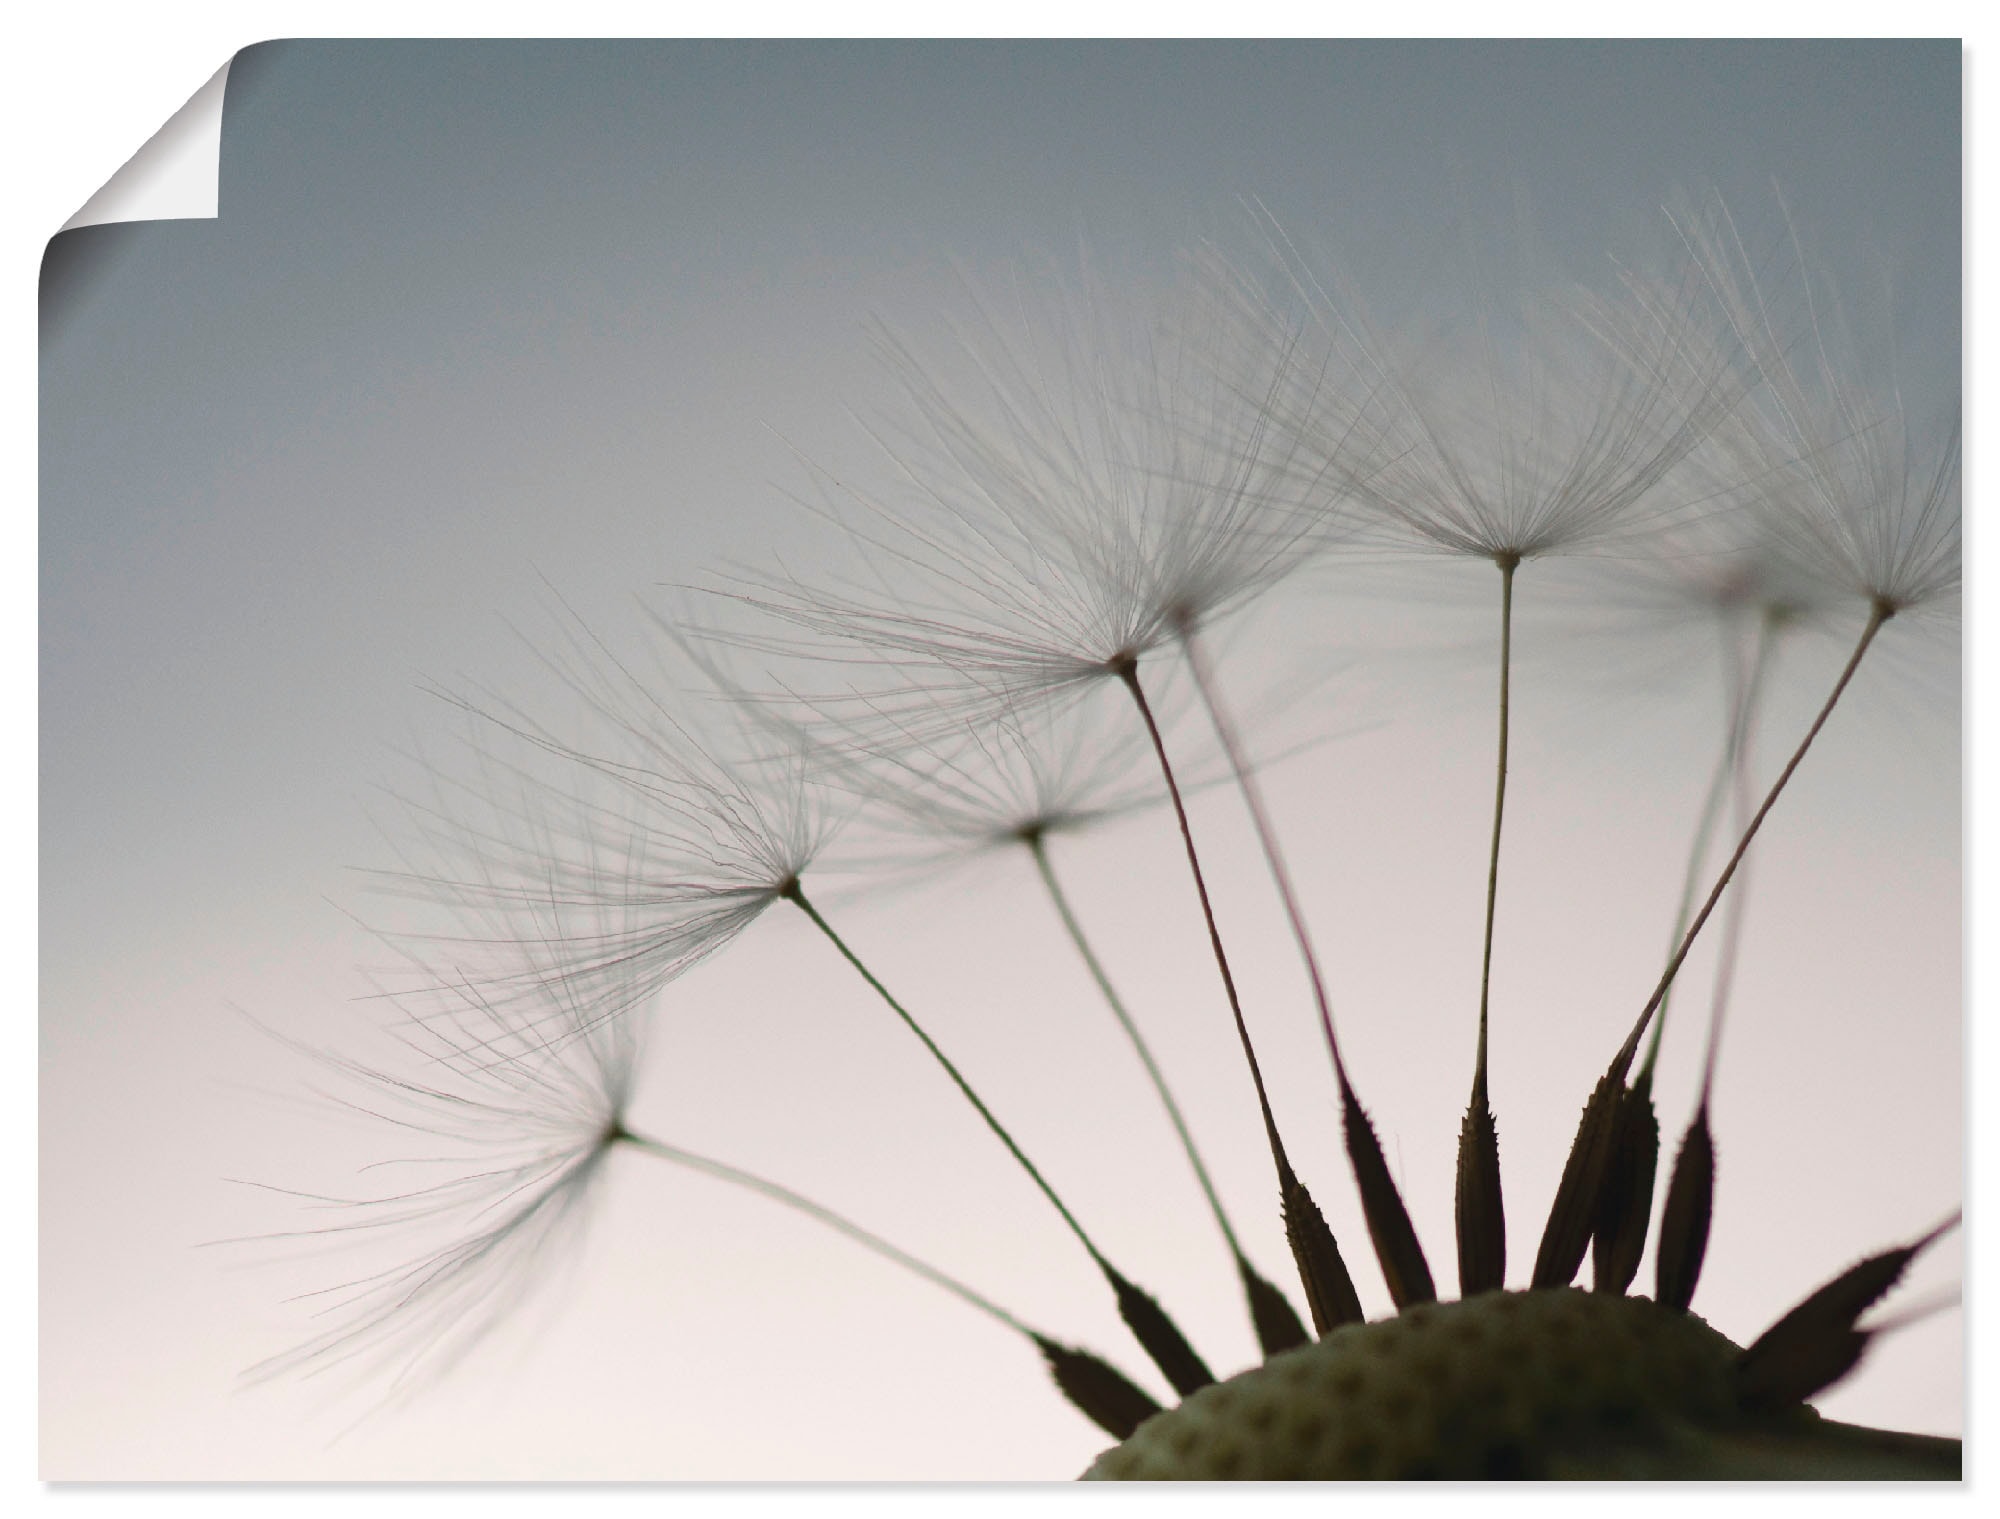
(475, 314)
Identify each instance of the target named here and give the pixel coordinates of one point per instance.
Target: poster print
(604, 880)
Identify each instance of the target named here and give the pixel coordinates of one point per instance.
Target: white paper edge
(175, 176)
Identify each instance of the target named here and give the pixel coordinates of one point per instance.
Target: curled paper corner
(175, 175)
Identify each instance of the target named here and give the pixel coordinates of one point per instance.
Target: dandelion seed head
(1542, 443)
(1873, 512)
(1714, 575)
(1020, 779)
(1073, 508)
(617, 862)
(1857, 494)
(1534, 423)
(505, 1109)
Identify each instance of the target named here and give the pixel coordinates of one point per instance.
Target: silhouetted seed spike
(1098, 1389)
(1816, 1344)
(1278, 1326)
(1127, 670)
(1625, 1205)
(1685, 1218)
(1163, 1340)
(1482, 1218)
(1330, 1295)
(1567, 1234)
(1808, 1365)
(1396, 1246)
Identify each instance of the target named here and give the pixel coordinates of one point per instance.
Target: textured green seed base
(1491, 1386)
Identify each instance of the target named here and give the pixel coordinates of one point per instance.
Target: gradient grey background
(474, 314)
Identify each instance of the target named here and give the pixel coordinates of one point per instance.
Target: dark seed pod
(1625, 1206)
(1396, 1245)
(1330, 1295)
(1162, 1338)
(1104, 1394)
(1567, 1234)
(1816, 1344)
(1684, 1221)
(1482, 1218)
(1277, 1322)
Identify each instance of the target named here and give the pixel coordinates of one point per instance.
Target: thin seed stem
(1685, 1222)
(1129, 673)
(1571, 1217)
(1038, 848)
(1878, 614)
(1149, 1323)
(1686, 1215)
(1704, 833)
(1267, 838)
(1732, 925)
(796, 894)
(840, 1224)
(1508, 564)
(1389, 1228)
(1329, 1289)
(1095, 1387)
(1742, 701)
(1478, 1203)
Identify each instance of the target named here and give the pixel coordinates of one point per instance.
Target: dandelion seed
(1884, 522)
(1329, 1289)
(1626, 1198)
(1526, 437)
(1726, 589)
(532, 1096)
(1572, 1215)
(1389, 1227)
